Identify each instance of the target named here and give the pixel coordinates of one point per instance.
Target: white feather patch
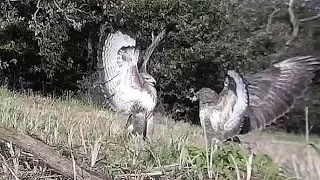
(241, 103)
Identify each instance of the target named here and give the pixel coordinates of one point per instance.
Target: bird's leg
(145, 129)
(215, 142)
(129, 127)
(214, 139)
(128, 120)
(148, 126)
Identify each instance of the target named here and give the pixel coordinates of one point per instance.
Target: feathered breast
(220, 113)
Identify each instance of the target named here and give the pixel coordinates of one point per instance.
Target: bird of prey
(253, 101)
(128, 89)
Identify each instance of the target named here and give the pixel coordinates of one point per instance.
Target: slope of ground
(96, 140)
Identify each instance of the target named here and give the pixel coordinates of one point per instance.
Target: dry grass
(297, 159)
(96, 139)
(298, 154)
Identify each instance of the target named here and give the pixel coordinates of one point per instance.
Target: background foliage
(50, 46)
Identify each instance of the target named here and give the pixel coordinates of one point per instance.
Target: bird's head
(149, 79)
(204, 95)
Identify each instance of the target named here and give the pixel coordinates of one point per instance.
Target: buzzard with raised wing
(254, 101)
(128, 89)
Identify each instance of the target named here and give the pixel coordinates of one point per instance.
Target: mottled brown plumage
(266, 96)
(220, 114)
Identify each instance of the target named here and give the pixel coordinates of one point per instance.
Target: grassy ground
(299, 159)
(96, 139)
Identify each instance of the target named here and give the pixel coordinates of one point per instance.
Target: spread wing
(274, 91)
(117, 58)
(234, 123)
(151, 48)
(131, 77)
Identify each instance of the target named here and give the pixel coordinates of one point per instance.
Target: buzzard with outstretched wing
(254, 101)
(128, 89)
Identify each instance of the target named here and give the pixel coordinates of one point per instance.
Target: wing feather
(234, 123)
(111, 64)
(132, 77)
(155, 43)
(274, 91)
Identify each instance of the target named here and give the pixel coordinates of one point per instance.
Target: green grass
(98, 141)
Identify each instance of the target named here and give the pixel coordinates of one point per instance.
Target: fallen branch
(47, 154)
